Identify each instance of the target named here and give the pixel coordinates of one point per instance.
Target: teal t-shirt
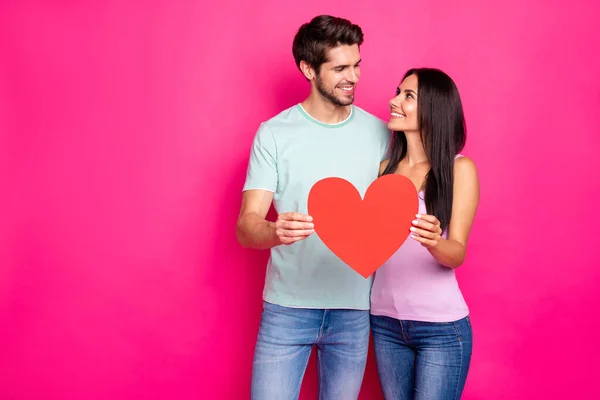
(289, 154)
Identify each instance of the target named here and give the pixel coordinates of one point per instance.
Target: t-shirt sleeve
(262, 166)
(386, 140)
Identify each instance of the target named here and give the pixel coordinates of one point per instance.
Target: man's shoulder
(283, 125)
(284, 117)
(279, 123)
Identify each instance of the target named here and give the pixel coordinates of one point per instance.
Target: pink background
(126, 132)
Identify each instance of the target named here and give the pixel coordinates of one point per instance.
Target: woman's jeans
(422, 360)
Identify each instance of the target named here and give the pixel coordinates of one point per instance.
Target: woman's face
(403, 107)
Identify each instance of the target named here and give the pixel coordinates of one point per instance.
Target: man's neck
(325, 111)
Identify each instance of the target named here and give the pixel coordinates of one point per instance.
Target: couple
(413, 305)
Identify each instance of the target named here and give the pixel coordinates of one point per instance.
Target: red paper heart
(363, 233)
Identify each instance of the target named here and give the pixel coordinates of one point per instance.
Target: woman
(420, 321)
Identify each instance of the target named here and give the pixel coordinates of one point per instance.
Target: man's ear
(307, 70)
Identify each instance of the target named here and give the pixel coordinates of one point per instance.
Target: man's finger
(294, 225)
(295, 216)
(300, 232)
(291, 240)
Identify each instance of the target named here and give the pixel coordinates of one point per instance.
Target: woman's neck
(415, 152)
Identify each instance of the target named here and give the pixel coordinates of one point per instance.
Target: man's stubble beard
(330, 96)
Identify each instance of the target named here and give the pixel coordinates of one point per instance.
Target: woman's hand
(426, 230)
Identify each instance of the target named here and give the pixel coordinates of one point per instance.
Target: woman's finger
(423, 233)
(428, 226)
(424, 241)
(429, 218)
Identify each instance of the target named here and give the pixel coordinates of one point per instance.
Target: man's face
(337, 78)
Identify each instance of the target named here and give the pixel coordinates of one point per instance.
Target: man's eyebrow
(346, 65)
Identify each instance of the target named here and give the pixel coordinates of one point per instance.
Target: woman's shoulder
(462, 161)
(383, 165)
(464, 167)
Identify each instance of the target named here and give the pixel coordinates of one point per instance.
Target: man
(311, 298)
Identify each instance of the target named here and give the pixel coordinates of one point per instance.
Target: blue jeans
(422, 360)
(285, 340)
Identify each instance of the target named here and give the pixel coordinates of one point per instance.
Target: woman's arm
(451, 252)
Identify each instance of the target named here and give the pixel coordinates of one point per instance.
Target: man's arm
(254, 231)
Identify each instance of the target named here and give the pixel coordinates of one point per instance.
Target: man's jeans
(285, 340)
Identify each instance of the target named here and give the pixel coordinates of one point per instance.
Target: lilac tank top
(412, 285)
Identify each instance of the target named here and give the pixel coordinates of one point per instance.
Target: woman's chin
(395, 126)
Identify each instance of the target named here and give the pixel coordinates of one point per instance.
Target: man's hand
(292, 227)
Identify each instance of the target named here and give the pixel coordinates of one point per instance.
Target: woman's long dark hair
(443, 133)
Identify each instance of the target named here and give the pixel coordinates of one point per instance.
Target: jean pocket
(457, 329)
